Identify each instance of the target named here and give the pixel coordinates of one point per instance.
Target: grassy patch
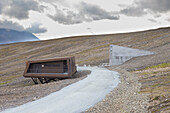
(156, 98)
(149, 73)
(95, 48)
(164, 65)
(3, 83)
(155, 81)
(159, 84)
(8, 78)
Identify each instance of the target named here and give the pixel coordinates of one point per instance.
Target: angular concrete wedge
(119, 54)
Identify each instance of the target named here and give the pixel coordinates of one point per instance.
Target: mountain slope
(93, 50)
(12, 36)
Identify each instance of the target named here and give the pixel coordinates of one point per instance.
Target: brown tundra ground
(152, 72)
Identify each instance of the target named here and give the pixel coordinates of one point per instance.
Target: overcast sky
(59, 18)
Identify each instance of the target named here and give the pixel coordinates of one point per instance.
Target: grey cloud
(168, 19)
(143, 7)
(11, 25)
(3, 5)
(133, 11)
(155, 5)
(94, 12)
(19, 8)
(54, 1)
(68, 17)
(85, 13)
(157, 15)
(36, 28)
(152, 20)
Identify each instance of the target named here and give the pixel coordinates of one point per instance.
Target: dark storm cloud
(142, 7)
(19, 8)
(35, 28)
(85, 13)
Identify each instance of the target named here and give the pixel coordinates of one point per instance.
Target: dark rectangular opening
(48, 67)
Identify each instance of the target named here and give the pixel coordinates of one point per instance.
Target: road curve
(76, 97)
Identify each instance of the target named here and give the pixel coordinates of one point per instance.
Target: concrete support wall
(119, 54)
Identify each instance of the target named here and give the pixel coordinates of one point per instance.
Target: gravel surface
(124, 98)
(82, 94)
(92, 50)
(17, 94)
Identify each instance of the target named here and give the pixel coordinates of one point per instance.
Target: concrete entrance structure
(119, 54)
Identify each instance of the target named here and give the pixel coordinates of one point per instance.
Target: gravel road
(124, 98)
(24, 90)
(76, 97)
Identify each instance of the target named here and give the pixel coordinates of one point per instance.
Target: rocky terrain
(147, 76)
(25, 91)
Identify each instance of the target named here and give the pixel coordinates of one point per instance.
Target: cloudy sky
(60, 18)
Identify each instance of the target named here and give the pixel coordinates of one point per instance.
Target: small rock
(34, 98)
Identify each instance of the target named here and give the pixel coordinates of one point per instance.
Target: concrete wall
(119, 54)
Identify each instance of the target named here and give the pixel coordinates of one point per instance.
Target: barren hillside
(92, 50)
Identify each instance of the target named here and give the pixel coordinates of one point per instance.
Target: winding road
(76, 97)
